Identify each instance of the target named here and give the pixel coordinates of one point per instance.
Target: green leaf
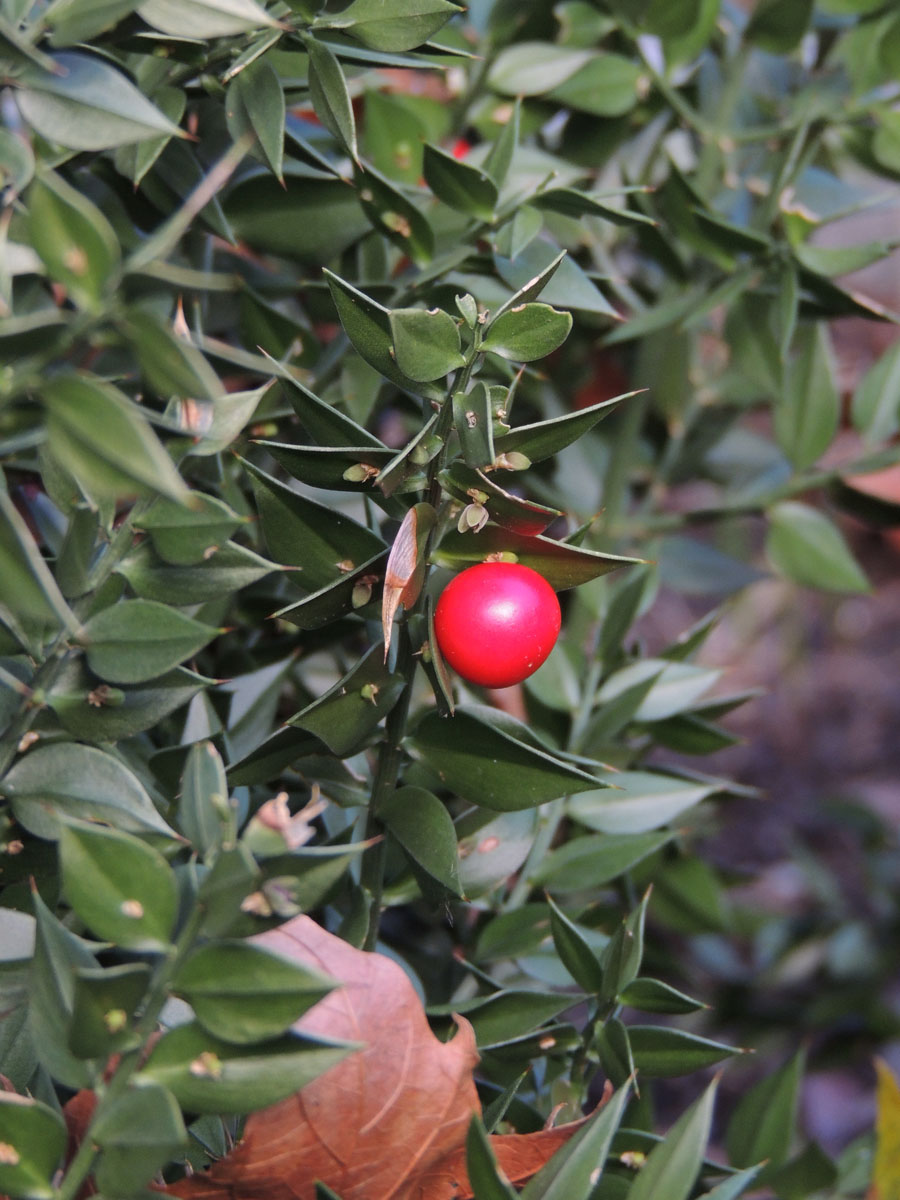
(876, 401)
(368, 326)
(16, 162)
(605, 86)
(205, 18)
(506, 509)
(677, 687)
(54, 782)
(487, 764)
(806, 547)
(652, 995)
(779, 25)
(527, 332)
(458, 184)
(672, 1166)
(208, 1075)
(486, 1181)
(29, 589)
(589, 862)
(562, 565)
(353, 591)
(338, 468)
(98, 435)
(75, 241)
(573, 203)
(534, 68)
(405, 25)
(121, 888)
(426, 343)
(734, 1186)
(346, 715)
(34, 1139)
(58, 954)
(648, 802)
(396, 216)
(184, 535)
(764, 1122)
(811, 1172)
(204, 815)
(623, 954)
(244, 994)
(330, 98)
(88, 105)
(474, 424)
(223, 573)
(574, 1169)
(534, 281)
(325, 424)
(423, 827)
(322, 543)
(137, 640)
(137, 1136)
(544, 439)
(171, 365)
(807, 414)
(574, 952)
(73, 21)
(661, 1053)
(506, 1016)
(500, 155)
(255, 101)
(103, 1008)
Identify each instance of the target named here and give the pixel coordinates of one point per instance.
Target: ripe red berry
(495, 623)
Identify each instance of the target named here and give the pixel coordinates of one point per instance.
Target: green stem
(390, 753)
(110, 1094)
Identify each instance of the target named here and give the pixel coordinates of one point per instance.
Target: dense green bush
(302, 309)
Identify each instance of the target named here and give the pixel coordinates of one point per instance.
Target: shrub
(305, 309)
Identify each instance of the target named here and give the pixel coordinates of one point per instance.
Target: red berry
(495, 623)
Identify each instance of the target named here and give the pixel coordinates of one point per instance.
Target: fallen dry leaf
(387, 1123)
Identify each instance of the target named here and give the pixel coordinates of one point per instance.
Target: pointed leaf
(396, 216)
(208, 1075)
(75, 241)
(425, 830)
(485, 764)
(574, 952)
(589, 862)
(330, 98)
(137, 1136)
(255, 101)
(407, 24)
(121, 888)
(672, 1167)
(104, 1004)
(87, 104)
(65, 779)
(105, 441)
(459, 184)
(544, 439)
(426, 343)
(562, 565)
(345, 716)
(223, 573)
(185, 535)
(527, 332)
(661, 1053)
(29, 589)
(137, 640)
(485, 1178)
(764, 1123)
(244, 994)
(204, 18)
(805, 546)
(321, 543)
(573, 1170)
(473, 420)
(33, 1137)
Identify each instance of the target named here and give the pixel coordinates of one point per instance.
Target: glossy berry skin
(495, 623)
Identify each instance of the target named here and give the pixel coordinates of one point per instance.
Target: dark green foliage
(285, 339)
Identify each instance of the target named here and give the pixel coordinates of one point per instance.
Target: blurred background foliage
(208, 446)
